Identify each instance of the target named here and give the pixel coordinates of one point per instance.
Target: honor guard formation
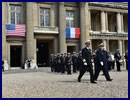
(85, 60)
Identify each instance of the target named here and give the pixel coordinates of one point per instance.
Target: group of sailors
(62, 62)
(85, 60)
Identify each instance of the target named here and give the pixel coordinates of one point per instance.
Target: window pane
(41, 20)
(15, 14)
(70, 19)
(44, 17)
(18, 15)
(12, 8)
(12, 18)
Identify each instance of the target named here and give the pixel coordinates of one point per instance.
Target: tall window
(44, 17)
(15, 14)
(70, 19)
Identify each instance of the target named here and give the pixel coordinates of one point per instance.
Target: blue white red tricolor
(73, 33)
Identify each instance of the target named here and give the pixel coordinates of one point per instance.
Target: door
(42, 54)
(15, 56)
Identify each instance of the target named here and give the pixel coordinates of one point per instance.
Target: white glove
(93, 64)
(85, 64)
(101, 63)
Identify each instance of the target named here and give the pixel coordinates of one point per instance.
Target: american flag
(15, 30)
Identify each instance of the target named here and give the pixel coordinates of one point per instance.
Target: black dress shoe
(110, 80)
(79, 80)
(93, 82)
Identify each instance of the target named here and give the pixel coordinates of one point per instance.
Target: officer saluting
(102, 57)
(86, 57)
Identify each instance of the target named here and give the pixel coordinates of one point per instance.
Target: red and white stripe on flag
(15, 30)
(75, 33)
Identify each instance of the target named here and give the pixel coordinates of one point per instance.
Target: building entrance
(42, 54)
(15, 56)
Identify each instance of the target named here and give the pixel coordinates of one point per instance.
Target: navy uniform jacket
(117, 56)
(68, 60)
(102, 55)
(87, 56)
(74, 59)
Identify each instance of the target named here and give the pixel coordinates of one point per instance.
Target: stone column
(105, 44)
(90, 29)
(84, 23)
(52, 16)
(4, 52)
(103, 21)
(62, 33)
(106, 17)
(118, 22)
(122, 23)
(29, 31)
(4, 44)
(55, 45)
(120, 47)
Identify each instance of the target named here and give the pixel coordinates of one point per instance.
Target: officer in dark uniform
(86, 57)
(102, 57)
(68, 63)
(58, 63)
(126, 59)
(65, 56)
(117, 58)
(3, 65)
(75, 62)
(55, 63)
(52, 62)
(62, 65)
(79, 60)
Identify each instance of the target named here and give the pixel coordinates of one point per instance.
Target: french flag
(73, 33)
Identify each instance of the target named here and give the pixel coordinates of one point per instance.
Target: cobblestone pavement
(41, 83)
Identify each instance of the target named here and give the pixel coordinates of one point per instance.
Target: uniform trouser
(62, 68)
(52, 67)
(105, 71)
(83, 69)
(95, 67)
(127, 65)
(118, 65)
(68, 69)
(74, 67)
(110, 64)
(2, 68)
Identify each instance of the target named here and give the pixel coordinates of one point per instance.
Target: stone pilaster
(4, 48)
(62, 34)
(105, 44)
(103, 21)
(4, 44)
(106, 20)
(118, 22)
(90, 28)
(120, 47)
(122, 23)
(29, 31)
(55, 46)
(84, 23)
(52, 16)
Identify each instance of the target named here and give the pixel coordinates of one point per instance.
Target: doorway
(42, 54)
(15, 56)
(71, 49)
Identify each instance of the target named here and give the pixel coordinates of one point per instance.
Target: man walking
(102, 57)
(86, 57)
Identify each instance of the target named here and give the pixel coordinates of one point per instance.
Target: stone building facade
(46, 22)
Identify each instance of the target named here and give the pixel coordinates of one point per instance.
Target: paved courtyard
(41, 83)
